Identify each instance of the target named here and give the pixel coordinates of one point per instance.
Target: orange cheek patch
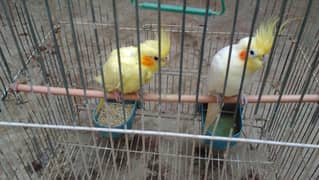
(242, 55)
(148, 61)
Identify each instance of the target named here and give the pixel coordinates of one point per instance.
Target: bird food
(112, 114)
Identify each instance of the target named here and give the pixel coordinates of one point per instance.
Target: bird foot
(117, 96)
(138, 95)
(219, 99)
(243, 100)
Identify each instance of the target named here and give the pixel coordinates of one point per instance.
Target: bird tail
(213, 113)
(100, 105)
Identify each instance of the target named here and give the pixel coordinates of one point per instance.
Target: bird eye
(252, 53)
(156, 58)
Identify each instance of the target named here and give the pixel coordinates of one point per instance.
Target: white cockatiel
(217, 71)
(261, 45)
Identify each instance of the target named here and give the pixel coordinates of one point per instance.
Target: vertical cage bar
(272, 53)
(293, 57)
(201, 58)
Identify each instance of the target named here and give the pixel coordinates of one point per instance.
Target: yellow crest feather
(165, 43)
(151, 46)
(265, 33)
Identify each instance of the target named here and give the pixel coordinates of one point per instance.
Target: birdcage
(51, 51)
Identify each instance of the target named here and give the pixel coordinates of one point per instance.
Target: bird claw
(140, 103)
(138, 95)
(219, 99)
(117, 96)
(243, 100)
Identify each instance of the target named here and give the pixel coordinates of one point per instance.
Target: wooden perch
(164, 97)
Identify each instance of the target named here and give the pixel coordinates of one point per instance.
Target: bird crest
(265, 33)
(151, 46)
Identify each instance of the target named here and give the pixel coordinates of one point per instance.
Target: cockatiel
(261, 45)
(130, 67)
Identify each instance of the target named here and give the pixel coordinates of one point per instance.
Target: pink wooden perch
(164, 98)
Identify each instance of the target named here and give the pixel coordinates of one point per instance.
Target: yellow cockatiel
(130, 67)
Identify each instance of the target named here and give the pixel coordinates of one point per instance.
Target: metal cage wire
(63, 44)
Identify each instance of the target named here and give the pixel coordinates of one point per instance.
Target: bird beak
(263, 58)
(164, 61)
(167, 59)
(260, 57)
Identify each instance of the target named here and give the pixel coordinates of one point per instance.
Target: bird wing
(217, 72)
(129, 69)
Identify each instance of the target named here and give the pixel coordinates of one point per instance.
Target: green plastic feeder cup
(127, 124)
(224, 126)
